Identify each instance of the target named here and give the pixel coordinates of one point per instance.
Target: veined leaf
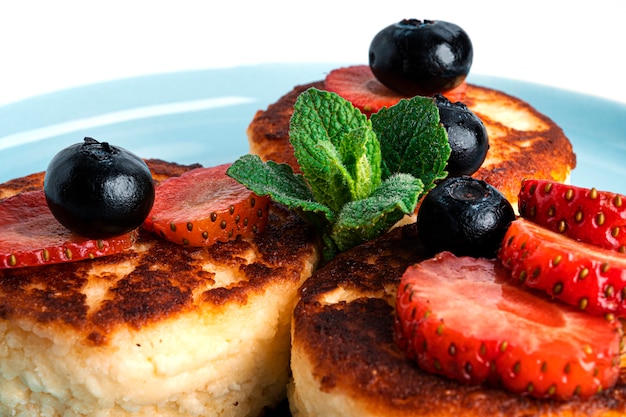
(360, 151)
(279, 182)
(335, 146)
(366, 219)
(412, 140)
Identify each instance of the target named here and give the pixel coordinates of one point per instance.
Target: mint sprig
(336, 148)
(359, 176)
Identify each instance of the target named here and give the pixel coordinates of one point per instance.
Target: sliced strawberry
(358, 85)
(204, 206)
(577, 273)
(30, 235)
(585, 214)
(463, 318)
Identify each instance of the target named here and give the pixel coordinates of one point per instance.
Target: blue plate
(201, 116)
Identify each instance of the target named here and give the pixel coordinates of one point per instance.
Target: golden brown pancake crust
(160, 279)
(268, 133)
(523, 142)
(344, 323)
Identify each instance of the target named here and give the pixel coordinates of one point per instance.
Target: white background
(52, 45)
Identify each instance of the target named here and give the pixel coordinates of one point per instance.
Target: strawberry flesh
(589, 215)
(358, 85)
(580, 274)
(31, 236)
(204, 206)
(461, 317)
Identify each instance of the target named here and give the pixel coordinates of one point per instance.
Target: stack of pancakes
(164, 330)
(344, 359)
(159, 330)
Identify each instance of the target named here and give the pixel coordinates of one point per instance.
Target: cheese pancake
(158, 330)
(523, 143)
(345, 361)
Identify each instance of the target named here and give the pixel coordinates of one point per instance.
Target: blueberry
(467, 137)
(465, 216)
(98, 190)
(417, 57)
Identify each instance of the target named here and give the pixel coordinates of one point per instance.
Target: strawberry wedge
(464, 319)
(31, 236)
(585, 214)
(204, 206)
(358, 85)
(583, 275)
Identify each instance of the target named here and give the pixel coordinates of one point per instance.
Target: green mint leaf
(336, 148)
(360, 152)
(366, 219)
(412, 140)
(280, 183)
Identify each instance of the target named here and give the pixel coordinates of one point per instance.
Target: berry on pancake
(358, 85)
(580, 274)
(586, 214)
(461, 318)
(30, 235)
(204, 206)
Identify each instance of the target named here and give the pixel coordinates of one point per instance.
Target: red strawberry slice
(585, 214)
(30, 235)
(359, 85)
(462, 318)
(204, 206)
(578, 273)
